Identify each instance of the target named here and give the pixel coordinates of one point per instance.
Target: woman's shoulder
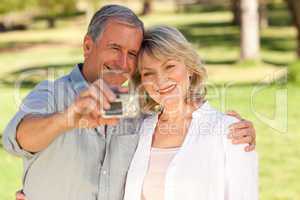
(211, 117)
(216, 125)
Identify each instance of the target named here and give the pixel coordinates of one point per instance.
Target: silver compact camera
(126, 105)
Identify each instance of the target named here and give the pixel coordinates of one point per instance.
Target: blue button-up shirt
(81, 164)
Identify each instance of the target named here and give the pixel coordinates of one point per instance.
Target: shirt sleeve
(241, 170)
(39, 101)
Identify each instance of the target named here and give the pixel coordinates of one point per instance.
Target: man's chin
(115, 80)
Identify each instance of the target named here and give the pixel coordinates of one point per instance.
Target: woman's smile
(167, 89)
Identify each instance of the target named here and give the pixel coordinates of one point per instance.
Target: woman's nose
(162, 78)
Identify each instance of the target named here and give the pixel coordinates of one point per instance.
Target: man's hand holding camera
(87, 110)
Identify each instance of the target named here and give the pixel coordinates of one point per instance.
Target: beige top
(153, 187)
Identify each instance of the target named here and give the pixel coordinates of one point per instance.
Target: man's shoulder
(52, 85)
(54, 93)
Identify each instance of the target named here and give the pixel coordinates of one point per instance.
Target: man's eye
(133, 55)
(115, 48)
(107, 67)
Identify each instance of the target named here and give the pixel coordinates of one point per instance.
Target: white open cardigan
(207, 167)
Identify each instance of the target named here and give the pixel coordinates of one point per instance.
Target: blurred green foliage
(294, 72)
(15, 5)
(49, 7)
(53, 7)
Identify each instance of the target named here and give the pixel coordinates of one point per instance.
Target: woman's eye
(170, 66)
(147, 74)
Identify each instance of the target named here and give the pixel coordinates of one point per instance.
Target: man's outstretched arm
(35, 132)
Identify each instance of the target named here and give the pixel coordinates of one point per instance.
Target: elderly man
(69, 150)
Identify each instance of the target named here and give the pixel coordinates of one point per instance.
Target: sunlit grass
(10, 176)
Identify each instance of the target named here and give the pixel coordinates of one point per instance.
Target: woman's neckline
(159, 149)
(193, 108)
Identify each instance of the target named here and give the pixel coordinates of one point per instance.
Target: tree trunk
(51, 22)
(236, 12)
(2, 27)
(294, 6)
(250, 44)
(147, 7)
(263, 14)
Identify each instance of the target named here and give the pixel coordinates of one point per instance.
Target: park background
(251, 49)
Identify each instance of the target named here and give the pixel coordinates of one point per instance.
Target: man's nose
(123, 62)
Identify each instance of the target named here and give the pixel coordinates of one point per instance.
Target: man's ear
(87, 46)
(191, 76)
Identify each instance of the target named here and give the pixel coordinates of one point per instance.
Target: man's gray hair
(116, 12)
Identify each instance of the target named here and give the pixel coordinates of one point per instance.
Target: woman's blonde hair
(162, 43)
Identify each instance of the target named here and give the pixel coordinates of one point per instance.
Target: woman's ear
(87, 46)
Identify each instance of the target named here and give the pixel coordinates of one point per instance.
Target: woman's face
(166, 82)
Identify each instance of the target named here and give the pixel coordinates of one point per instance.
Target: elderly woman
(183, 152)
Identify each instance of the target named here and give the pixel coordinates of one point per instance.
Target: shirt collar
(204, 109)
(78, 81)
(201, 113)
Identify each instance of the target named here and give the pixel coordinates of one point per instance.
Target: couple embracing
(179, 147)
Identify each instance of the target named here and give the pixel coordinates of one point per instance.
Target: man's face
(114, 55)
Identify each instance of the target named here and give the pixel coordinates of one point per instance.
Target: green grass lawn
(34, 53)
(10, 166)
(278, 149)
